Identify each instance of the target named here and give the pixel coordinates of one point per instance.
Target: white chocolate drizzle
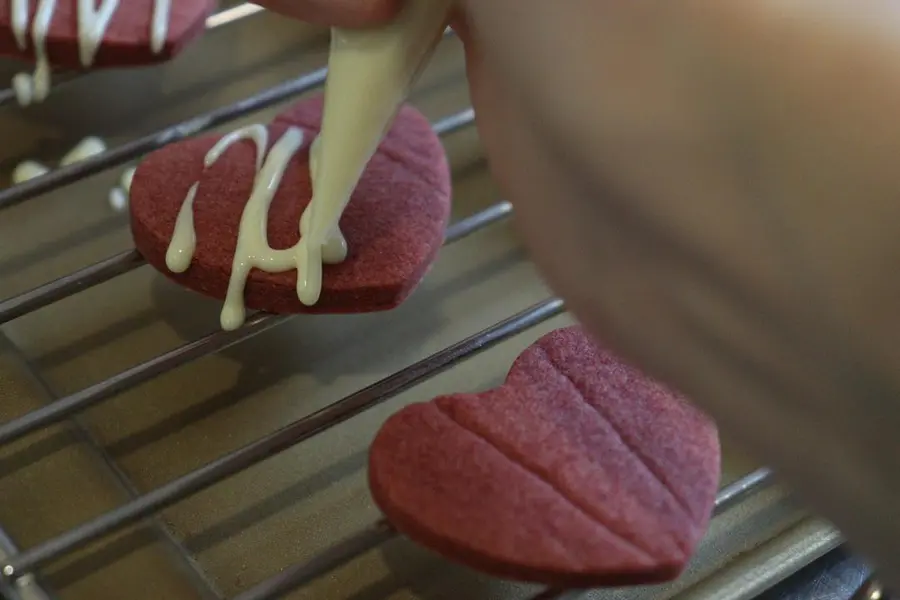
(93, 22)
(28, 169)
(118, 196)
(253, 250)
(86, 148)
(184, 239)
(370, 72)
(159, 28)
(127, 178)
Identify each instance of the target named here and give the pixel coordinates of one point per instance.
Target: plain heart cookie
(188, 202)
(578, 471)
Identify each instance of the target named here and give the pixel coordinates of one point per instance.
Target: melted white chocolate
(19, 22)
(252, 250)
(127, 178)
(159, 27)
(118, 199)
(93, 22)
(335, 249)
(28, 169)
(370, 73)
(184, 239)
(86, 148)
(118, 196)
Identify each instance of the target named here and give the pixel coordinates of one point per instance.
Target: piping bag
(370, 72)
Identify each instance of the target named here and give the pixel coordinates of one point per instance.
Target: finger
(558, 230)
(337, 13)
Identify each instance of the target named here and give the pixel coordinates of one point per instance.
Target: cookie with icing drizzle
(222, 215)
(578, 471)
(86, 34)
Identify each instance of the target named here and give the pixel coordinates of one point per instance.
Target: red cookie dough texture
(394, 223)
(127, 39)
(578, 472)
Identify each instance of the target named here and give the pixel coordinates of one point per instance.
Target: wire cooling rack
(20, 568)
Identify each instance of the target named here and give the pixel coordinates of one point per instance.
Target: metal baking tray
(252, 445)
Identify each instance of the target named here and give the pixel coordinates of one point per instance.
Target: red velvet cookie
(127, 39)
(394, 224)
(578, 472)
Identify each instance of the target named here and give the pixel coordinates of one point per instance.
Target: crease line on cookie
(641, 552)
(638, 456)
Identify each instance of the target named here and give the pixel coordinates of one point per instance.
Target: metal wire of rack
(19, 580)
(381, 531)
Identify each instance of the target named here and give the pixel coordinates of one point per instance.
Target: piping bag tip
(370, 72)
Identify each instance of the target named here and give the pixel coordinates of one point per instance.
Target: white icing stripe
(86, 148)
(92, 25)
(184, 240)
(118, 196)
(253, 250)
(23, 86)
(28, 169)
(127, 177)
(19, 10)
(159, 29)
(118, 199)
(40, 28)
(335, 249)
(258, 133)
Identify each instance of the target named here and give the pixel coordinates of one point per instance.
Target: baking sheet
(296, 504)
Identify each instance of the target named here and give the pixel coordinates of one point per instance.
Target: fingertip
(460, 25)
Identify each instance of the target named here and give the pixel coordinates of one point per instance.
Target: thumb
(337, 13)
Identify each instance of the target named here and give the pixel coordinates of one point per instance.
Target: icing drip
(19, 18)
(28, 169)
(118, 199)
(253, 250)
(159, 28)
(184, 240)
(369, 75)
(92, 25)
(334, 250)
(118, 196)
(34, 87)
(127, 178)
(86, 148)
(258, 133)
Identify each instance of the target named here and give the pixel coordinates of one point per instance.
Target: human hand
(711, 187)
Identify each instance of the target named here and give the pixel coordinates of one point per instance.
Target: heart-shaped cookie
(393, 225)
(117, 33)
(578, 471)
